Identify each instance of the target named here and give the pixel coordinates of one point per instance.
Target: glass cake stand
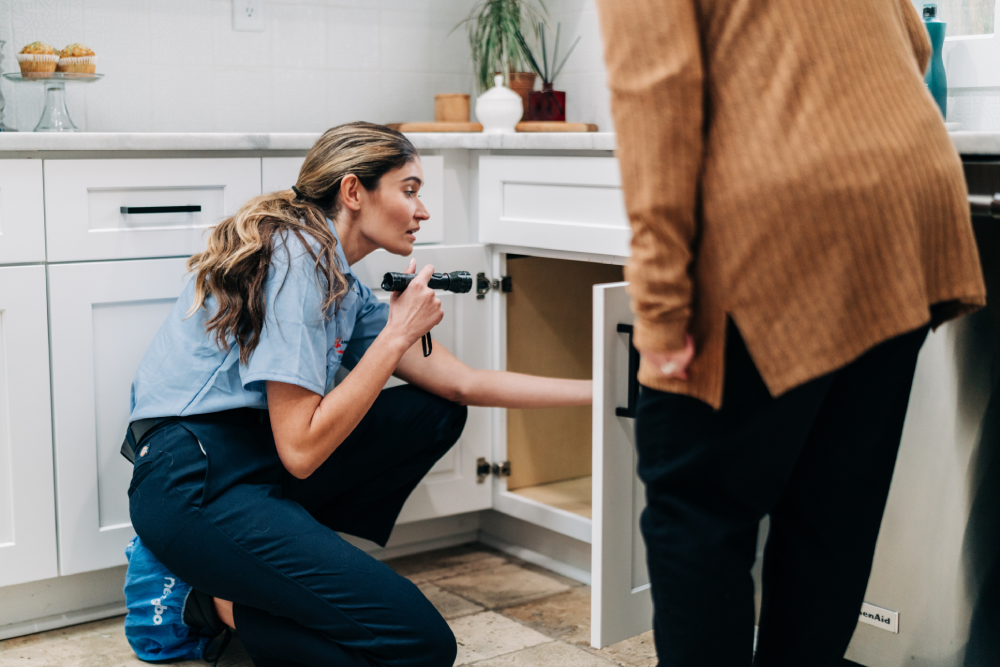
(55, 115)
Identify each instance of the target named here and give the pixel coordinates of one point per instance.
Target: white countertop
(235, 141)
(976, 143)
(967, 143)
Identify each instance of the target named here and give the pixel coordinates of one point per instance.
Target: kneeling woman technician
(240, 494)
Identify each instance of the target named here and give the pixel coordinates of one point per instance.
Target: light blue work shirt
(185, 372)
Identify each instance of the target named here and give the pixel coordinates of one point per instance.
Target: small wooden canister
(451, 108)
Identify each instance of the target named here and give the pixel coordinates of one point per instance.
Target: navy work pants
(231, 522)
(818, 460)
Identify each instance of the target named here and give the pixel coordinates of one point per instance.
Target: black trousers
(230, 521)
(818, 460)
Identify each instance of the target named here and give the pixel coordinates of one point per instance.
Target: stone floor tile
(98, 644)
(635, 652)
(531, 567)
(448, 604)
(502, 586)
(445, 563)
(553, 654)
(488, 634)
(564, 616)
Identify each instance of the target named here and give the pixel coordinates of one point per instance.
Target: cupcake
(77, 58)
(37, 59)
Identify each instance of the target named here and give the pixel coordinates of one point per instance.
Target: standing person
(799, 218)
(248, 459)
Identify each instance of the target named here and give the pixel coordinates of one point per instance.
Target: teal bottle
(935, 78)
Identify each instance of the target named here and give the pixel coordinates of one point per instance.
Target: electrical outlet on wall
(248, 15)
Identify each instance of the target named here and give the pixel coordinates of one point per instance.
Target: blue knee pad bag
(166, 618)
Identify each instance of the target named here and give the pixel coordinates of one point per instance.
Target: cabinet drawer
(123, 209)
(280, 173)
(557, 203)
(22, 216)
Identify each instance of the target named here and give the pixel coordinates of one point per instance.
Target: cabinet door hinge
(484, 285)
(484, 469)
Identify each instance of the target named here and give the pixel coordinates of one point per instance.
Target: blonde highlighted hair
(234, 266)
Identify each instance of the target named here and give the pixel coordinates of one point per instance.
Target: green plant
(496, 35)
(533, 62)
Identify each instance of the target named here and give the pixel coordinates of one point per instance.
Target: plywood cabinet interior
(549, 333)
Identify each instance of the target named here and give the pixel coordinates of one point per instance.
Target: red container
(547, 104)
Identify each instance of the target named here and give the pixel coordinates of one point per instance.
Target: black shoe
(199, 613)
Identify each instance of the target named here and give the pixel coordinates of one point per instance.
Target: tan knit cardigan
(785, 166)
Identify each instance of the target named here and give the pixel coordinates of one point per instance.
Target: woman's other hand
(416, 310)
(672, 364)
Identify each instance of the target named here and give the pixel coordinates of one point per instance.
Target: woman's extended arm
(308, 427)
(444, 375)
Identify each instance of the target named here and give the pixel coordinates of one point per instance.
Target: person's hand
(672, 364)
(416, 310)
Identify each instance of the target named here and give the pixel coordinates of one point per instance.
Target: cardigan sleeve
(656, 75)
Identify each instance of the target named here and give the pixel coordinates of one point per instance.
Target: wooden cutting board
(436, 127)
(554, 126)
(527, 126)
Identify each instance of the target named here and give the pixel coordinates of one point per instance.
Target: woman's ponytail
(234, 266)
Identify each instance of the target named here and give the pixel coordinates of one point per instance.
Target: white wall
(177, 65)
(584, 78)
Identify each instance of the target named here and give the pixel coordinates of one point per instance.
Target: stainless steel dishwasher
(937, 563)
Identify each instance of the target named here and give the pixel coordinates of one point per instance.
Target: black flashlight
(458, 282)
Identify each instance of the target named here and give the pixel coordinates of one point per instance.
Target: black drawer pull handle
(133, 210)
(633, 375)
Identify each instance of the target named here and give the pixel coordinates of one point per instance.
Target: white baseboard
(62, 620)
(48, 600)
(421, 536)
(545, 548)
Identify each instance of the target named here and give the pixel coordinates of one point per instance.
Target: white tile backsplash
(242, 101)
(298, 36)
(352, 39)
(975, 109)
(176, 93)
(352, 96)
(405, 41)
(299, 99)
(177, 65)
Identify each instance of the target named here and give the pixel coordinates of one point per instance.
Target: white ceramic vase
(499, 108)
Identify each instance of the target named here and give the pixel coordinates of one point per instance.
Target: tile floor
(503, 612)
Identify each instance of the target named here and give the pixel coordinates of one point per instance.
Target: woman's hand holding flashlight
(417, 309)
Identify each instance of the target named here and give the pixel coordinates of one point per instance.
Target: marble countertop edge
(965, 142)
(297, 141)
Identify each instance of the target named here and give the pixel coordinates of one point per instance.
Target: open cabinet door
(621, 604)
(451, 486)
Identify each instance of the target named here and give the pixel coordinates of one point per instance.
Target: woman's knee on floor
(438, 646)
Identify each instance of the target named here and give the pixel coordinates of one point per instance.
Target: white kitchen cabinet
(128, 209)
(281, 173)
(620, 597)
(27, 511)
(22, 216)
(572, 204)
(573, 470)
(104, 316)
(452, 486)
